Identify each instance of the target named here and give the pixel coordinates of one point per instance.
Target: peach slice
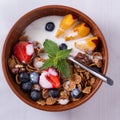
(81, 30)
(88, 44)
(65, 24)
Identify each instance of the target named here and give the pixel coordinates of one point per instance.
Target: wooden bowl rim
(57, 107)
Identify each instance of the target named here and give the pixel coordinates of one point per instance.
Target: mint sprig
(48, 63)
(62, 54)
(50, 47)
(63, 67)
(57, 58)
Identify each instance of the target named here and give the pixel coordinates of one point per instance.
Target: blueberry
(34, 77)
(24, 77)
(54, 93)
(75, 93)
(50, 26)
(62, 46)
(95, 68)
(35, 95)
(26, 86)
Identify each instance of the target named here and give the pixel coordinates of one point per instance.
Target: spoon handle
(95, 73)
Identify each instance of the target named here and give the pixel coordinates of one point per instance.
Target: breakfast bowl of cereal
(34, 58)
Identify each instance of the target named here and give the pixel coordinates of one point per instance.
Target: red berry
(50, 79)
(54, 80)
(23, 51)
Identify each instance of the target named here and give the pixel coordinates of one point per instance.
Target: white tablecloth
(105, 104)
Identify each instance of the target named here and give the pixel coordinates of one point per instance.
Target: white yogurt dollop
(36, 32)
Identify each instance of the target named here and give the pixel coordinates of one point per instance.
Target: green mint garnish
(50, 47)
(48, 63)
(63, 67)
(57, 58)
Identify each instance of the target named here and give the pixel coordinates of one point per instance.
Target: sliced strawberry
(54, 80)
(49, 79)
(43, 81)
(23, 51)
(52, 71)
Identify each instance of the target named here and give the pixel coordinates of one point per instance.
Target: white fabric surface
(105, 104)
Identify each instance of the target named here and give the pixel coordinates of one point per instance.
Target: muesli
(40, 65)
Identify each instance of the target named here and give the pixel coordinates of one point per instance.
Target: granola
(49, 86)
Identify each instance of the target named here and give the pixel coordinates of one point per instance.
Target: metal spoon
(95, 73)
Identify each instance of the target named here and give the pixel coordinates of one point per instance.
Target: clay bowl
(15, 33)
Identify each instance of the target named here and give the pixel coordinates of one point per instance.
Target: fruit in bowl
(35, 52)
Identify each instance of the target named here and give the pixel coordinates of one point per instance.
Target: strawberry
(49, 79)
(54, 80)
(23, 51)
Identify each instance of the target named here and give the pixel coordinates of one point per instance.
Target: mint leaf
(50, 47)
(57, 58)
(62, 54)
(63, 67)
(48, 63)
(55, 62)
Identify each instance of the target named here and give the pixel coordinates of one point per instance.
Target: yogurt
(36, 32)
